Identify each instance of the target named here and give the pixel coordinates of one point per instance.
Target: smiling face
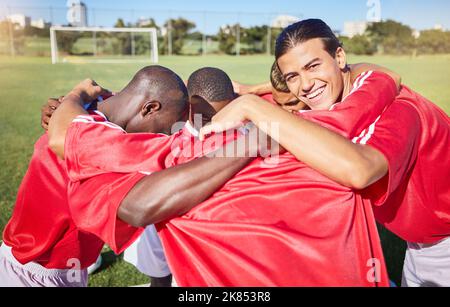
(288, 101)
(313, 75)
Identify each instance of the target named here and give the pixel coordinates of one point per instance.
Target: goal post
(152, 33)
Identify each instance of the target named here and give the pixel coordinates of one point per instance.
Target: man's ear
(341, 58)
(150, 107)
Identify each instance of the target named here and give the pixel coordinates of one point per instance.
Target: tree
(433, 41)
(142, 44)
(256, 39)
(358, 44)
(227, 39)
(179, 30)
(391, 37)
(123, 43)
(8, 29)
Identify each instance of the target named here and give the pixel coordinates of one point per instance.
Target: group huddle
(217, 183)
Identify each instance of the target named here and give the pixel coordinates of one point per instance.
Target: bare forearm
(257, 89)
(173, 192)
(71, 107)
(349, 164)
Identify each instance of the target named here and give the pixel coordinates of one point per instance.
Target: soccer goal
(103, 45)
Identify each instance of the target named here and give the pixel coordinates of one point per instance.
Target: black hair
(303, 31)
(277, 79)
(211, 84)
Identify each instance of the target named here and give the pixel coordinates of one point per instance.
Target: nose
(307, 84)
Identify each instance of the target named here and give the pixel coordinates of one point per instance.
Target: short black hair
(211, 84)
(162, 84)
(303, 31)
(277, 79)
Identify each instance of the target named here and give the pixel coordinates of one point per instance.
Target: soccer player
(399, 162)
(330, 238)
(41, 254)
(57, 250)
(210, 90)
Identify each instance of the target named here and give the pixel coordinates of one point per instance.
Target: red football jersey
(279, 221)
(413, 201)
(41, 228)
(285, 225)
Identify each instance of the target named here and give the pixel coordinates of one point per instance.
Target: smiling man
(400, 161)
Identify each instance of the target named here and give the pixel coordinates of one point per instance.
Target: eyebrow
(310, 63)
(304, 67)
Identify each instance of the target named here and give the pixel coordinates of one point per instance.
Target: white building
(40, 23)
(20, 20)
(353, 28)
(142, 22)
(77, 13)
(284, 21)
(438, 27)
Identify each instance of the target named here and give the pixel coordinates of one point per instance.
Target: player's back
(41, 228)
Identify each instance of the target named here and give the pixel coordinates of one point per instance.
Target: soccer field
(26, 83)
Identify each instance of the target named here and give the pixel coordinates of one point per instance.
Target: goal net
(103, 45)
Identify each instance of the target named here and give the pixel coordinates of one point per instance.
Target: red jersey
(41, 228)
(283, 226)
(45, 229)
(413, 201)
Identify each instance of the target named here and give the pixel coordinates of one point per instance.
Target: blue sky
(419, 14)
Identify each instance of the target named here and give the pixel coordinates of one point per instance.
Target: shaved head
(154, 100)
(212, 84)
(160, 84)
(210, 90)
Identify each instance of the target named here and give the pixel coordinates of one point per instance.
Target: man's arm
(257, 89)
(172, 192)
(352, 165)
(70, 108)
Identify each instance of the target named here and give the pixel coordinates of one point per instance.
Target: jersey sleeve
(94, 146)
(372, 94)
(94, 205)
(396, 134)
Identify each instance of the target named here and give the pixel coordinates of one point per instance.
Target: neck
(347, 79)
(114, 110)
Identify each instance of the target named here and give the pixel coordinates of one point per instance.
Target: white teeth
(316, 93)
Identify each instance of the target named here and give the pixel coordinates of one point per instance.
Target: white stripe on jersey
(86, 117)
(365, 76)
(355, 140)
(359, 82)
(107, 124)
(191, 129)
(370, 133)
(145, 173)
(100, 113)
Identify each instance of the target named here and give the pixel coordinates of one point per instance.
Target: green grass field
(26, 83)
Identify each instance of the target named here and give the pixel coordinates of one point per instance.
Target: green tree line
(386, 37)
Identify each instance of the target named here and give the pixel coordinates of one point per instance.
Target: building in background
(284, 21)
(40, 23)
(438, 27)
(353, 28)
(21, 21)
(77, 13)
